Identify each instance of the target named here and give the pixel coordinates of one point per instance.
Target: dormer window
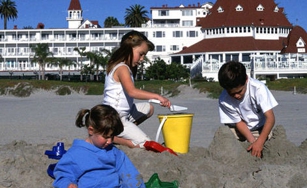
(276, 9)
(300, 43)
(220, 10)
(239, 8)
(260, 8)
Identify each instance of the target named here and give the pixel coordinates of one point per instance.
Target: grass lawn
(24, 88)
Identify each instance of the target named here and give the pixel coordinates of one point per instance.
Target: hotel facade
(200, 36)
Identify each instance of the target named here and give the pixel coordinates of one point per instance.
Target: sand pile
(216, 159)
(225, 163)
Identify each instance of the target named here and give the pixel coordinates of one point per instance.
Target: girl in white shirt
(119, 89)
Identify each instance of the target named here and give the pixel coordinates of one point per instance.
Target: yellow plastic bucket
(177, 131)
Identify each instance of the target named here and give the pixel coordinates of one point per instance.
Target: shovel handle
(154, 101)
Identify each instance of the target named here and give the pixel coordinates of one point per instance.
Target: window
(187, 12)
(300, 43)
(163, 13)
(32, 36)
(260, 8)
(45, 36)
(232, 57)
(246, 57)
(160, 48)
(220, 10)
(192, 34)
(113, 35)
(177, 34)
(82, 36)
(159, 34)
(218, 57)
(174, 47)
(143, 32)
(187, 23)
(95, 35)
(70, 50)
(239, 8)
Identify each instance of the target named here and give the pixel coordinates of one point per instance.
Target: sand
(32, 125)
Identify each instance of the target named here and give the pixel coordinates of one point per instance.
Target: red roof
(290, 44)
(249, 16)
(233, 44)
(74, 5)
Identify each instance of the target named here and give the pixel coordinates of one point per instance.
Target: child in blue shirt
(95, 161)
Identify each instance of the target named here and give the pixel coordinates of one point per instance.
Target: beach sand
(32, 125)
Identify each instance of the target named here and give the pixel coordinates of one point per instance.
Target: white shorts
(255, 133)
(132, 131)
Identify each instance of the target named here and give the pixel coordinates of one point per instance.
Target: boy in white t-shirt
(246, 106)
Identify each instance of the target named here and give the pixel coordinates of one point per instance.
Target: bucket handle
(160, 127)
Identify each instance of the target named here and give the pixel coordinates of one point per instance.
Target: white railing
(291, 64)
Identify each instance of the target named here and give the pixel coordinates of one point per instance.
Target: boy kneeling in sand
(246, 106)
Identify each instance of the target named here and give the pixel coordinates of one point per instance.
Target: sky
(53, 13)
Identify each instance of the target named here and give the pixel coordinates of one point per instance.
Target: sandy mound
(225, 163)
(187, 92)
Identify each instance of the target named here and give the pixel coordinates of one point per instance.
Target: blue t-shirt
(89, 166)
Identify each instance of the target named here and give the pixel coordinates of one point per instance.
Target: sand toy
(155, 182)
(156, 147)
(56, 153)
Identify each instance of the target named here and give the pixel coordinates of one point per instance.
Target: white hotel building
(194, 35)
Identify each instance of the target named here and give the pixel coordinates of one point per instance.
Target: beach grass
(23, 88)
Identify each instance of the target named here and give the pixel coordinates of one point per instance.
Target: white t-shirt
(256, 101)
(115, 95)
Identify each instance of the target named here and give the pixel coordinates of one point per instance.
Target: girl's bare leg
(124, 142)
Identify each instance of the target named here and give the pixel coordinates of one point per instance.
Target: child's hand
(72, 186)
(256, 149)
(165, 102)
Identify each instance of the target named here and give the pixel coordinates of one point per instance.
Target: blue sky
(53, 13)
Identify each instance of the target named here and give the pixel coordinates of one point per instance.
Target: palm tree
(97, 60)
(87, 70)
(82, 53)
(8, 11)
(61, 62)
(136, 16)
(110, 22)
(41, 56)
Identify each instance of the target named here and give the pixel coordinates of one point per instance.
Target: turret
(74, 18)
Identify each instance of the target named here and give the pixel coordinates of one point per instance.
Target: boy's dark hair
(232, 74)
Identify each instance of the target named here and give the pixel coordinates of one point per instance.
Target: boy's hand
(256, 149)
